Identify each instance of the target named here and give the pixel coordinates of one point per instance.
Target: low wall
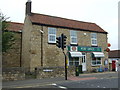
(54, 72)
(11, 74)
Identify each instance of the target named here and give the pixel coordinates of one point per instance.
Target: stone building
(86, 42)
(12, 57)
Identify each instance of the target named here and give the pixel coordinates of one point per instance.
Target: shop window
(73, 37)
(74, 61)
(93, 39)
(96, 61)
(51, 35)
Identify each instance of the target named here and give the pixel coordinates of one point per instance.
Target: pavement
(47, 81)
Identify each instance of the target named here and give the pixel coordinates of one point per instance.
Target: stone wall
(26, 44)
(11, 58)
(37, 49)
(51, 72)
(11, 74)
(53, 56)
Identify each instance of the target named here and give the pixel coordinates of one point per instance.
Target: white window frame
(52, 34)
(73, 36)
(96, 61)
(94, 38)
(84, 57)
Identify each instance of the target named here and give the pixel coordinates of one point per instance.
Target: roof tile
(63, 22)
(14, 26)
(114, 54)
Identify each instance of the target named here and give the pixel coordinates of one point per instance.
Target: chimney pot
(28, 7)
(29, 0)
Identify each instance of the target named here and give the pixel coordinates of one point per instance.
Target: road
(103, 80)
(94, 81)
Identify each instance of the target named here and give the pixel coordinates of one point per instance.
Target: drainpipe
(41, 45)
(21, 49)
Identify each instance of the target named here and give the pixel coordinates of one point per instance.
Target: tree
(7, 36)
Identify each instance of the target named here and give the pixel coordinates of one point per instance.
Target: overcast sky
(102, 12)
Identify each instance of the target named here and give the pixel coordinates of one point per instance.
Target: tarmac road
(110, 82)
(93, 80)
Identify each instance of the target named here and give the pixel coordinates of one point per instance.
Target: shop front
(86, 56)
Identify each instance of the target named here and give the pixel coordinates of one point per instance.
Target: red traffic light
(107, 50)
(109, 44)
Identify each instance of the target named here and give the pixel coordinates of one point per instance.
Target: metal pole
(65, 66)
(42, 47)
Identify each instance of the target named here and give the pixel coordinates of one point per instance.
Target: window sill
(94, 45)
(74, 44)
(96, 65)
(52, 43)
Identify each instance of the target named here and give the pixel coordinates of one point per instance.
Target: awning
(98, 54)
(76, 54)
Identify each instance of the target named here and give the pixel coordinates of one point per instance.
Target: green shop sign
(85, 48)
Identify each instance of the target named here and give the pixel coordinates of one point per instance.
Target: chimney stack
(28, 7)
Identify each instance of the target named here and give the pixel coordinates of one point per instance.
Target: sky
(102, 12)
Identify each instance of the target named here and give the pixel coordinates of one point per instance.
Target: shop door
(83, 62)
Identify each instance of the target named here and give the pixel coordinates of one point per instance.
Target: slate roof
(64, 23)
(114, 54)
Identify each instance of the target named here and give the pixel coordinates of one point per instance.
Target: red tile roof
(15, 26)
(63, 22)
(114, 54)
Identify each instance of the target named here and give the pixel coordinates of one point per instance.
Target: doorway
(83, 61)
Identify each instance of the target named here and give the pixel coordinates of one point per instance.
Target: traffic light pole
(61, 43)
(65, 65)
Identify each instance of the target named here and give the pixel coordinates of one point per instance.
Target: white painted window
(51, 35)
(83, 58)
(73, 37)
(93, 39)
(96, 61)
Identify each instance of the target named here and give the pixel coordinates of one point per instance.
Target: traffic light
(58, 42)
(63, 41)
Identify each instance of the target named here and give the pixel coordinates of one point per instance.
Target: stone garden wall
(11, 74)
(52, 72)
